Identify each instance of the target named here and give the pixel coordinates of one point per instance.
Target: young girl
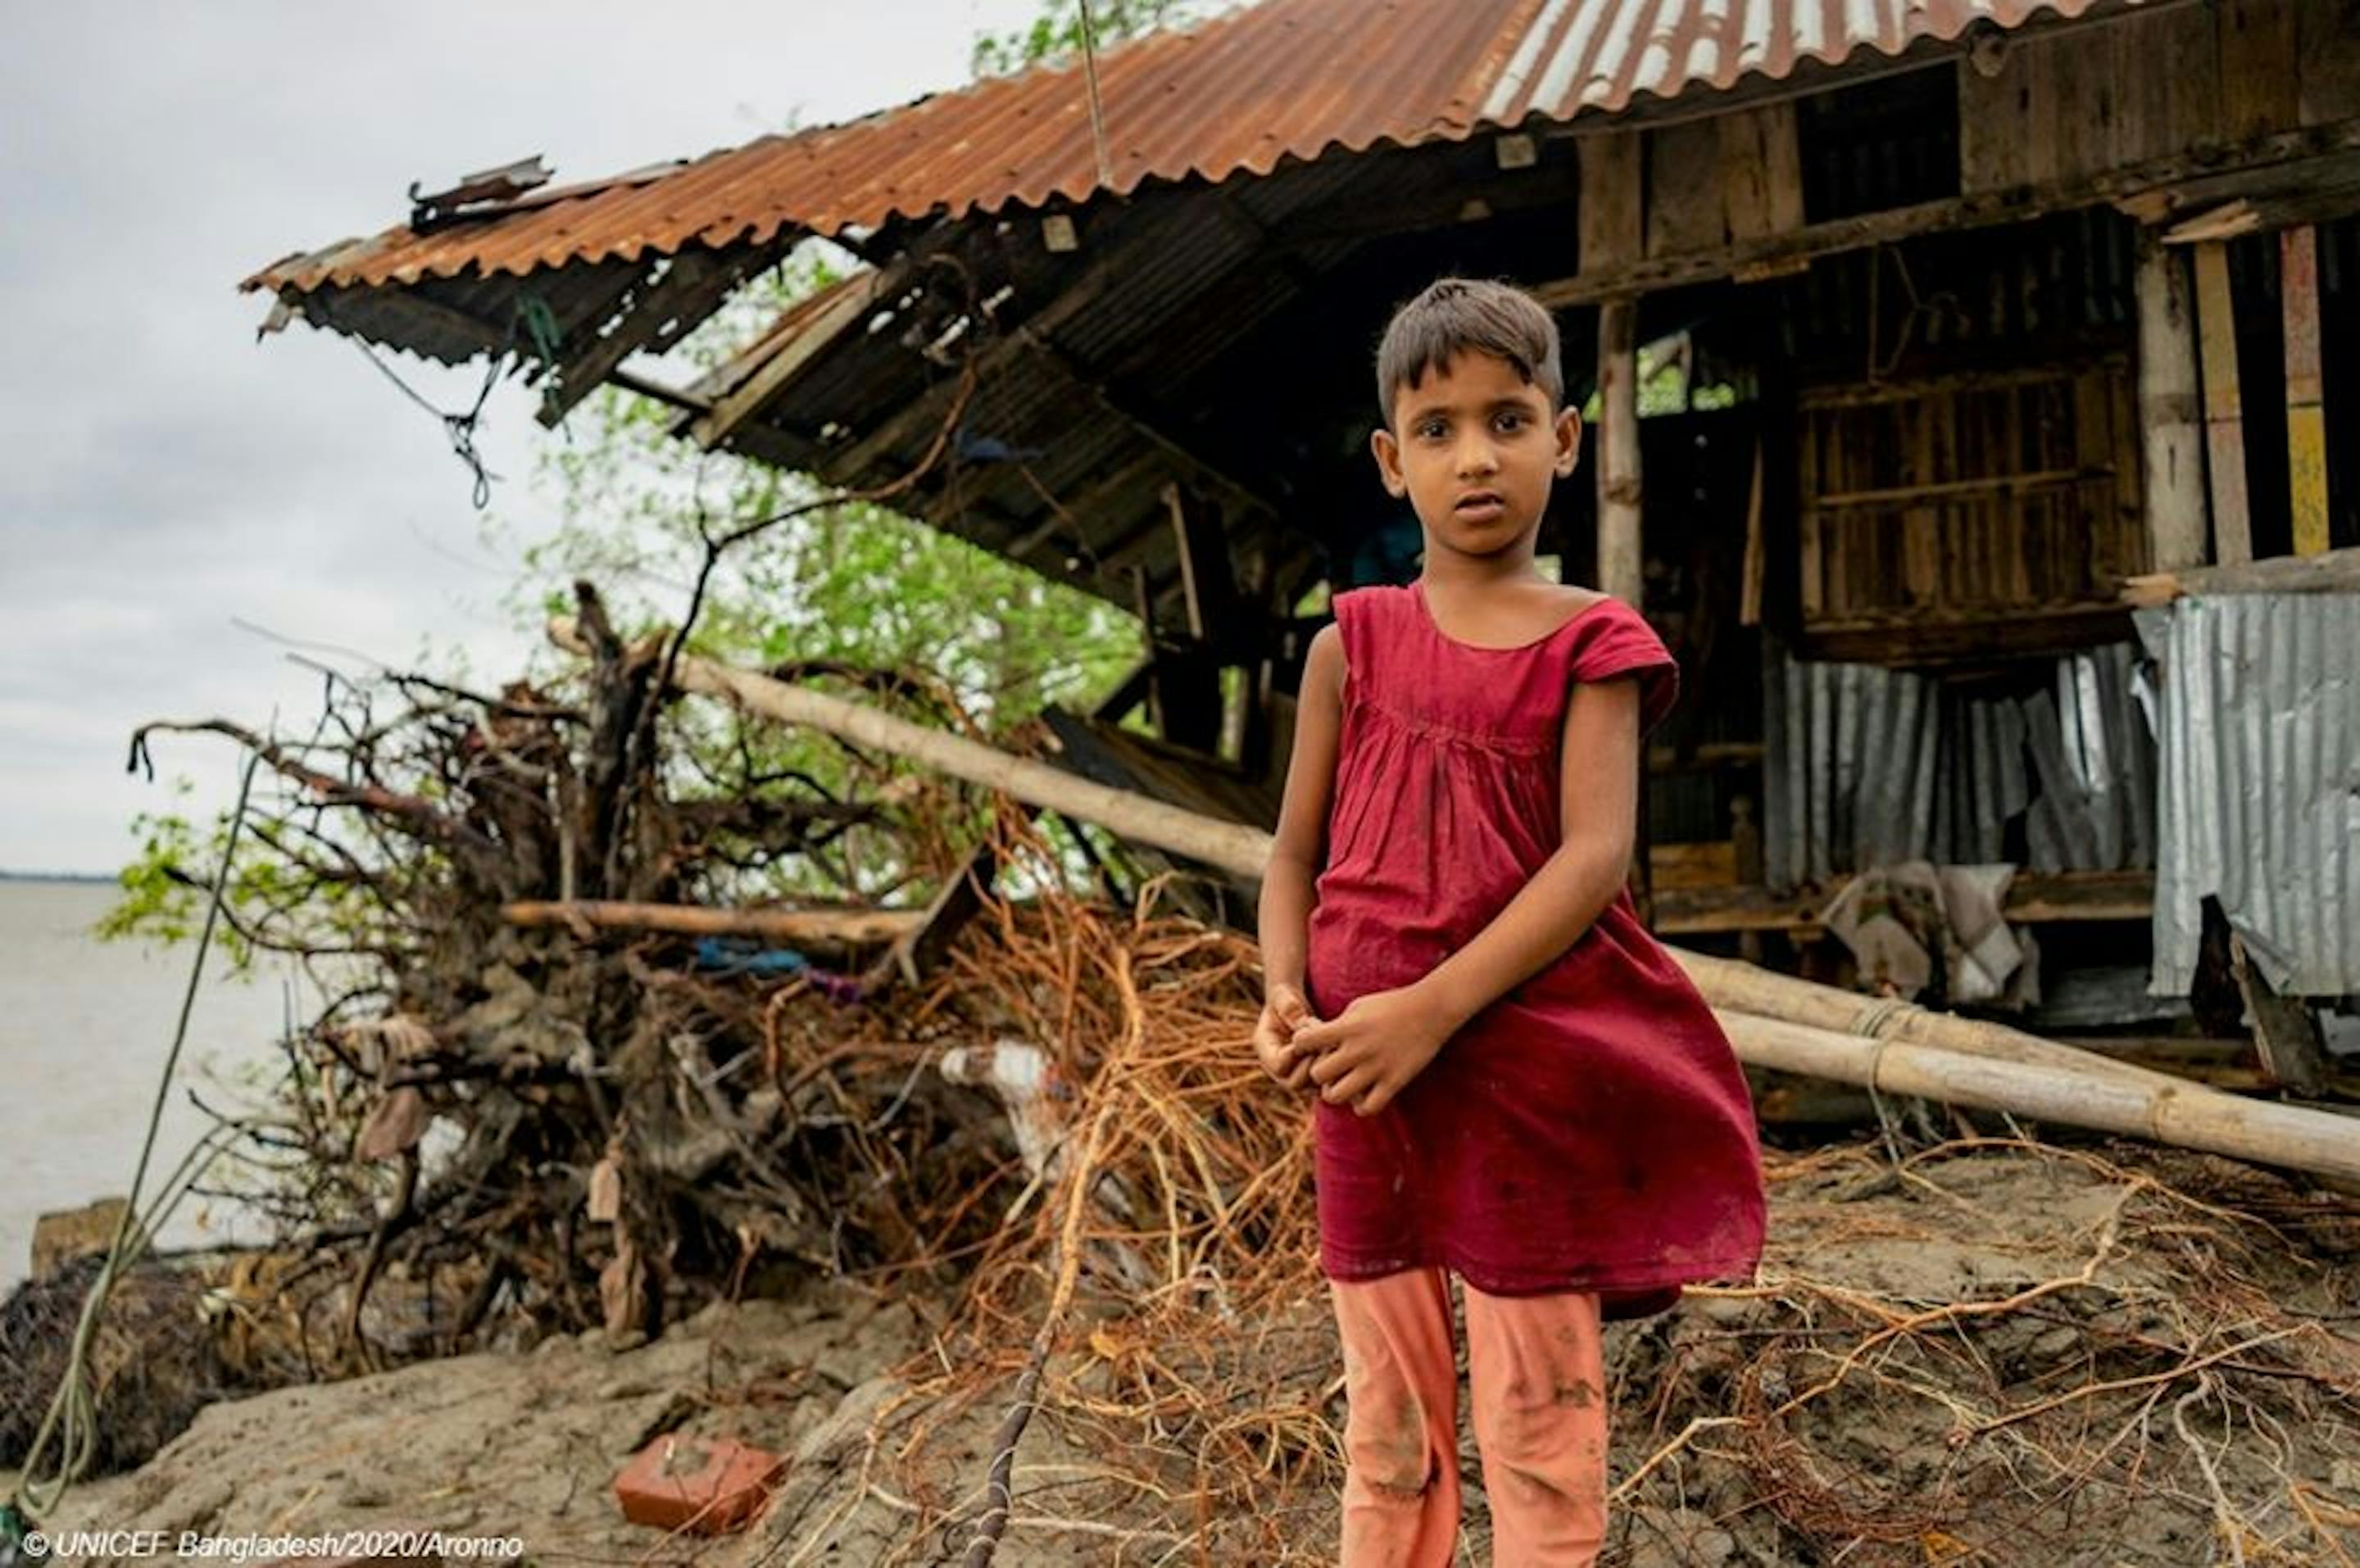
(1515, 1083)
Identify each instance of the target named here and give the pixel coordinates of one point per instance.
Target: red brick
(709, 1484)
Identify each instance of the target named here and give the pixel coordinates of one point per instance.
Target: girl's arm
(1384, 1040)
(1298, 850)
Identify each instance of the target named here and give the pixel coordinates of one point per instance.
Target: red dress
(1591, 1129)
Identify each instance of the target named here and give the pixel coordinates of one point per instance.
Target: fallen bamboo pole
(815, 927)
(1229, 846)
(1733, 985)
(1821, 1030)
(2174, 1111)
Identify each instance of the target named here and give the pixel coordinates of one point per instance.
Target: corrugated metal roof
(2260, 803)
(1285, 79)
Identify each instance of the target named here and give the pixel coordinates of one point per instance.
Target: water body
(84, 1028)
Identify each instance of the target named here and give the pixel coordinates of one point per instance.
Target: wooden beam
(1601, 280)
(2306, 419)
(2172, 449)
(1619, 494)
(829, 322)
(2330, 571)
(2224, 423)
(1208, 579)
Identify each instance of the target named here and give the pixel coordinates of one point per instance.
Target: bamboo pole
(2188, 1115)
(1732, 986)
(818, 928)
(1229, 846)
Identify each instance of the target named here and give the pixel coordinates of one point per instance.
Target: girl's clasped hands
(1363, 1057)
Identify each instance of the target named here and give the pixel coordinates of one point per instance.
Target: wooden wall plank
(2306, 419)
(2173, 461)
(2175, 55)
(1994, 154)
(2259, 77)
(2224, 428)
(2328, 53)
(2132, 552)
(2073, 132)
(1685, 209)
(1762, 171)
(1613, 196)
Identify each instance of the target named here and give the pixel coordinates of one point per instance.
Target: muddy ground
(2032, 1355)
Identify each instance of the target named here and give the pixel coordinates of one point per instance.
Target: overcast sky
(161, 473)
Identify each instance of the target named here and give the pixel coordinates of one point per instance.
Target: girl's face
(1474, 447)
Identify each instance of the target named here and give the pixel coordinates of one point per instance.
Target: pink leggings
(1537, 1369)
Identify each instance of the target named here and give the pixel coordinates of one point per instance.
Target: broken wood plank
(2284, 1037)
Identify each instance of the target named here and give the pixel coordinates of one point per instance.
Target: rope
(72, 1416)
(531, 320)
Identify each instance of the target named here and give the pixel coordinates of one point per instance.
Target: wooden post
(2169, 405)
(2225, 418)
(1619, 493)
(2306, 420)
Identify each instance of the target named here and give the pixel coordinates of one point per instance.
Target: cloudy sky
(163, 476)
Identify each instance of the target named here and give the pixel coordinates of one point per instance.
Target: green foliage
(1055, 37)
(158, 904)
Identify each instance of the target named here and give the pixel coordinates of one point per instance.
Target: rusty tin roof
(1284, 79)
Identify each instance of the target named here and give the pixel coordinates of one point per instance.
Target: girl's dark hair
(1456, 314)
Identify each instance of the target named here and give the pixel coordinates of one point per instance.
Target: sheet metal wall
(1869, 767)
(2260, 799)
